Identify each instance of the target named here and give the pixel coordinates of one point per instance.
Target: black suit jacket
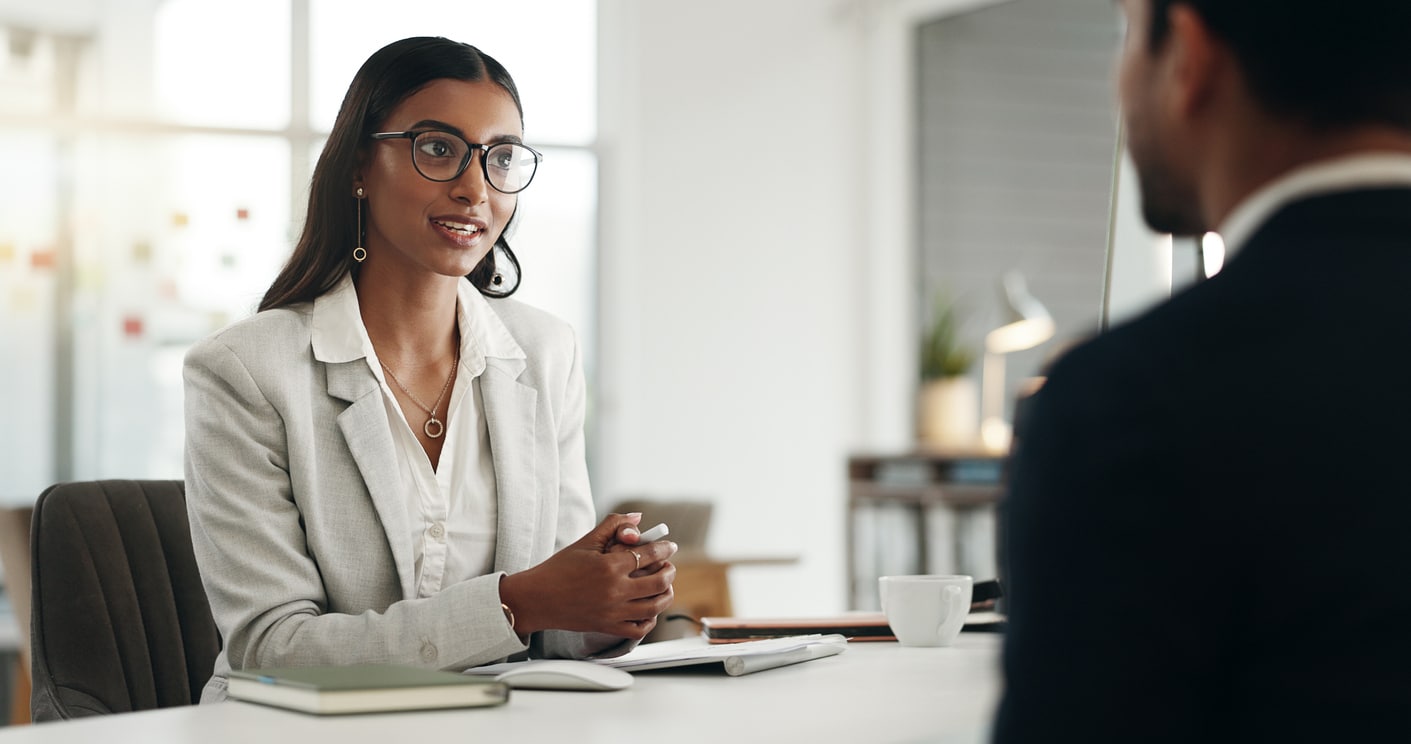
(1208, 531)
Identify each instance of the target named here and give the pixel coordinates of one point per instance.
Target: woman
(386, 463)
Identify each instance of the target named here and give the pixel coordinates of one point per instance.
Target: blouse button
(437, 530)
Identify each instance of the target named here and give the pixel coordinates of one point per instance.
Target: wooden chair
(14, 557)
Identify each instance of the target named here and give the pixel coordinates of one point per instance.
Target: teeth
(458, 227)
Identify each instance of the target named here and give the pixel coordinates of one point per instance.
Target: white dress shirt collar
(340, 336)
(1345, 173)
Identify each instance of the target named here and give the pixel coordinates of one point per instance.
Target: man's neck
(1263, 154)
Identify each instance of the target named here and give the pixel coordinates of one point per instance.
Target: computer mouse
(565, 674)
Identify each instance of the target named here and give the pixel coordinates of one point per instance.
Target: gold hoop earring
(359, 252)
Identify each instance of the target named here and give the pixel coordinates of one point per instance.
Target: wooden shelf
(959, 483)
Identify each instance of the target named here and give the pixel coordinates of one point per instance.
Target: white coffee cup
(926, 610)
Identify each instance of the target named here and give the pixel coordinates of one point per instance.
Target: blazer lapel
(364, 427)
(510, 410)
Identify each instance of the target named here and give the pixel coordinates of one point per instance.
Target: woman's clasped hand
(596, 584)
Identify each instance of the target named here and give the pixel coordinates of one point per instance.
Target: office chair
(120, 620)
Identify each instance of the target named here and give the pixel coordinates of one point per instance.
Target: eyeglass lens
(442, 156)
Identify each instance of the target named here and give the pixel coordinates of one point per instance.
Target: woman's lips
(462, 233)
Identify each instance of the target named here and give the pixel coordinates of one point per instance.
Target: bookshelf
(920, 512)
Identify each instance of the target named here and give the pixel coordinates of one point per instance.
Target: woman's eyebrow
(444, 127)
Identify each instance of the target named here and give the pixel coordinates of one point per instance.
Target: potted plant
(948, 415)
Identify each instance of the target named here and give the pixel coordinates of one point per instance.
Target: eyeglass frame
(472, 148)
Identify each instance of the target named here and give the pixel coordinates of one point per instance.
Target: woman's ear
(359, 167)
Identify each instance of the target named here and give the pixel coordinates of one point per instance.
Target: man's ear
(1197, 61)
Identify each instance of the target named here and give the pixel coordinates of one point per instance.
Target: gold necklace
(440, 426)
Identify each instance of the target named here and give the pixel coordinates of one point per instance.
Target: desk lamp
(1027, 324)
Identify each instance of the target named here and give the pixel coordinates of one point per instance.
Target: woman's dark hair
(324, 251)
(1331, 64)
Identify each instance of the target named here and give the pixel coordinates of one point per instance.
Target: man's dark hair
(1331, 63)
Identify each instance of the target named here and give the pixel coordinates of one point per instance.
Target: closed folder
(855, 626)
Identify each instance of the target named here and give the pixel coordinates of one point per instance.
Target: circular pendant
(434, 428)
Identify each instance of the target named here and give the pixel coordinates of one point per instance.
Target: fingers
(637, 629)
(658, 550)
(648, 558)
(629, 534)
(607, 532)
(600, 583)
(647, 609)
(657, 586)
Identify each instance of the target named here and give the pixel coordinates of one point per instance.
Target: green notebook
(366, 688)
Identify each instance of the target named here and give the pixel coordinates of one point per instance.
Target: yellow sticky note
(23, 301)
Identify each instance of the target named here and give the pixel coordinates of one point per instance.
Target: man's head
(1322, 67)
(1330, 63)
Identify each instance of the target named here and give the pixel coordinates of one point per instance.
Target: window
(164, 166)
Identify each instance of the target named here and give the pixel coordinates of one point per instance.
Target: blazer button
(428, 651)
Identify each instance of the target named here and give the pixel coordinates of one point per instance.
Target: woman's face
(446, 228)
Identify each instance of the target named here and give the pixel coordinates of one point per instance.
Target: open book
(734, 659)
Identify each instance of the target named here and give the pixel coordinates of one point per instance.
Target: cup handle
(954, 605)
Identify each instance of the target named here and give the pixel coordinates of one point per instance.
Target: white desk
(873, 692)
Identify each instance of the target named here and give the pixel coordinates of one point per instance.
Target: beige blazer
(299, 527)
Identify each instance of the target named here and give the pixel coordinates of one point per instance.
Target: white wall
(756, 298)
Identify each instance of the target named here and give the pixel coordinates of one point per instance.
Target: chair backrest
(120, 621)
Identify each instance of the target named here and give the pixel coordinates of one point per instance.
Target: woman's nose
(471, 185)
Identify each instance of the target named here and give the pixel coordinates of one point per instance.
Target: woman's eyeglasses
(442, 156)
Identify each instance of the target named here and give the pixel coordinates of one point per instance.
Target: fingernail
(630, 531)
(634, 515)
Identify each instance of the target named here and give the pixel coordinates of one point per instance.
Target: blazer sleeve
(268, 593)
(575, 515)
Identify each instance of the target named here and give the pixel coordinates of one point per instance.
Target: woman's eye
(437, 147)
(502, 158)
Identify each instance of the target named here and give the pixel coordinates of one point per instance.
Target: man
(1209, 525)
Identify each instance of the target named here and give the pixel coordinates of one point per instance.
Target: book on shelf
(365, 688)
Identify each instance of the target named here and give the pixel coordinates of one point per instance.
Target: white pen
(655, 533)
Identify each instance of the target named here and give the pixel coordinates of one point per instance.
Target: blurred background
(749, 210)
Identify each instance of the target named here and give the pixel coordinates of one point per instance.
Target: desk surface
(873, 692)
